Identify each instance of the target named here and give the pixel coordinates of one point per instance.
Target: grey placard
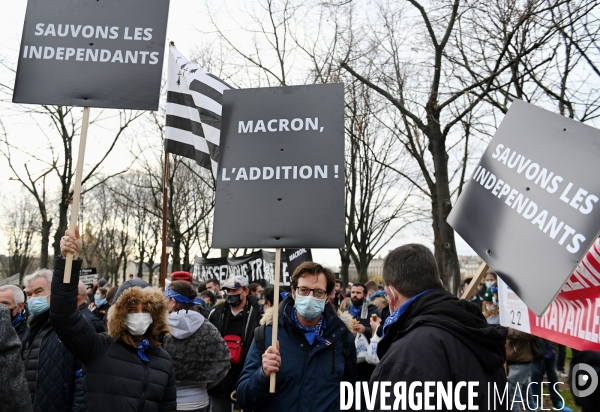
(65, 43)
(522, 246)
(297, 211)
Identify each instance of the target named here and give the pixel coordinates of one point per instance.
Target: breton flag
(193, 125)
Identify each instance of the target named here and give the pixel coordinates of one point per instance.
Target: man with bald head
(83, 308)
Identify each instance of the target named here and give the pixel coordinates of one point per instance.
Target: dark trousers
(538, 367)
(562, 355)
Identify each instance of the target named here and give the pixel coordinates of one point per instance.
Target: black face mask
(234, 300)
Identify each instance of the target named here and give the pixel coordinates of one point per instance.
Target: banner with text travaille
(572, 318)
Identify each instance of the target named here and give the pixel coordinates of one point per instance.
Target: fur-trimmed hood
(157, 305)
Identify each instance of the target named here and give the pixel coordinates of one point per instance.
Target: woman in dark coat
(200, 355)
(125, 369)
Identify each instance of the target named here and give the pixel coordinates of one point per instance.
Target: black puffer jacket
(51, 371)
(115, 378)
(95, 320)
(443, 339)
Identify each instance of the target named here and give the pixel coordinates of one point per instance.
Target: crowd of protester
(207, 347)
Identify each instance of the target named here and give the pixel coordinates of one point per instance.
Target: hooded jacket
(198, 351)
(115, 377)
(443, 339)
(310, 375)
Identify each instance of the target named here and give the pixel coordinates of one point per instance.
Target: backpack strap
(259, 338)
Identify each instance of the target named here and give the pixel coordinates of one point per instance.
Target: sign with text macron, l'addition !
(281, 168)
(102, 53)
(531, 208)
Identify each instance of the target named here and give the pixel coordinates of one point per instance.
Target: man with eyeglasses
(315, 351)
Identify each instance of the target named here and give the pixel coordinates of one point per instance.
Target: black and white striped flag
(193, 111)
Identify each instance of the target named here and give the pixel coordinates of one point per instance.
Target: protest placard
(106, 53)
(281, 168)
(530, 208)
(258, 267)
(295, 257)
(87, 276)
(572, 318)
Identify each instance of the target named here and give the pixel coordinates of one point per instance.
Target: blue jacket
(309, 377)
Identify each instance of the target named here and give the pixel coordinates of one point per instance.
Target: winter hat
(129, 284)
(181, 275)
(102, 282)
(235, 282)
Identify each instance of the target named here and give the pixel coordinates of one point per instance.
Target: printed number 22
(518, 316)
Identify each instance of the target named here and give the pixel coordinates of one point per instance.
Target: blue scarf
(141, 347)
(17, 319)
(355, 311)
(171, 294)
(311, 333)
(398, 312)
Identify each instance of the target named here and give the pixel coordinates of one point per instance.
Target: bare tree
(21, 227)
(378, 204)
(57, 162)
(107, 235)
(435, 64)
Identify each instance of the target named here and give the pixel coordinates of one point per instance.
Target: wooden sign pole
(163, 255)
(77, 188)
(472, 288)
(275, 308)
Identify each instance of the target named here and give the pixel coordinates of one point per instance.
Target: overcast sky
(186, 22)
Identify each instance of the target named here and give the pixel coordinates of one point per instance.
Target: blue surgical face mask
(309, 307)
(489, 284)
(495, 300)
(98, 301)
(38, 305)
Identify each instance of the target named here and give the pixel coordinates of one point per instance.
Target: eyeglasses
(317, 293)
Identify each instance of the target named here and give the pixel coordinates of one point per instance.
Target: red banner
(573, 318)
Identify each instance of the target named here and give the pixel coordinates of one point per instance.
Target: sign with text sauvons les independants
(104, 53)
(530, 209)
(281, 175)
